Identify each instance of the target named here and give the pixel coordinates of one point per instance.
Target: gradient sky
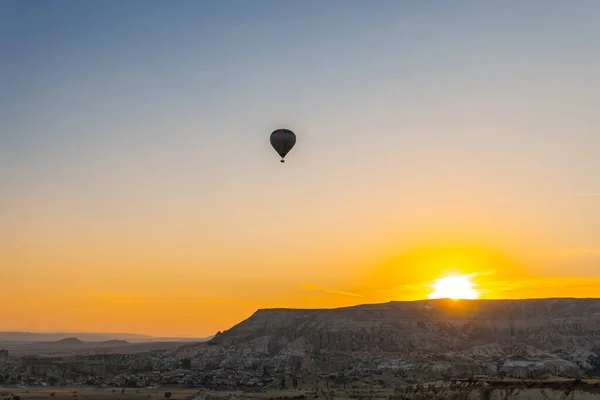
(139, 191)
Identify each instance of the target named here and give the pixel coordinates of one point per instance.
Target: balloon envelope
(282, 141)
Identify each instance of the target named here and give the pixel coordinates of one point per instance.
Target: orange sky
(174, 298)
(139, 191)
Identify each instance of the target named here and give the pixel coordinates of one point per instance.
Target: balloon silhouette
(282, 141)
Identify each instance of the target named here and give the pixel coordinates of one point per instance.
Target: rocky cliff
(434, 338)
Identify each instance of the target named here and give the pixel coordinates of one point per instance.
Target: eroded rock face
(481, 390)
(515, 338)
(415, 341)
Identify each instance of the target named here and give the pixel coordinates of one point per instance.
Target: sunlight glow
(454, 287)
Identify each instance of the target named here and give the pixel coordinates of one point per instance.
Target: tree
(595, 362)
(186, 363)
(131, 383)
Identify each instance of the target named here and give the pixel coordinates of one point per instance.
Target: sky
(139, 191)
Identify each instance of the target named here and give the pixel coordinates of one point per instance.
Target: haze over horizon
(140, 192)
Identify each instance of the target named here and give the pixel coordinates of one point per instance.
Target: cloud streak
(237, 303)
(540, 287)
(588, 194)
(310, 287)
(571, 252)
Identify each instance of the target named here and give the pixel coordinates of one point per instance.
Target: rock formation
(408, 342)
(444, 338)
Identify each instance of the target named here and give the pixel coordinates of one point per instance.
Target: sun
(454, 287)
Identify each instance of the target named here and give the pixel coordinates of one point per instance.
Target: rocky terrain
(28, 337)
(433, 339)
(500, 390)
(395, 344)
(73, 346)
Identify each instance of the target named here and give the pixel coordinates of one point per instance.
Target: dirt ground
(179, 393)
(91, 393)
(97, 393)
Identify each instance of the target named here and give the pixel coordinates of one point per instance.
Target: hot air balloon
(282, 141)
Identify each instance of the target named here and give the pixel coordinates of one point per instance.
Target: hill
(519, 338)
(71, 341)
(88, 336)
(72, 346)
(390, 345)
